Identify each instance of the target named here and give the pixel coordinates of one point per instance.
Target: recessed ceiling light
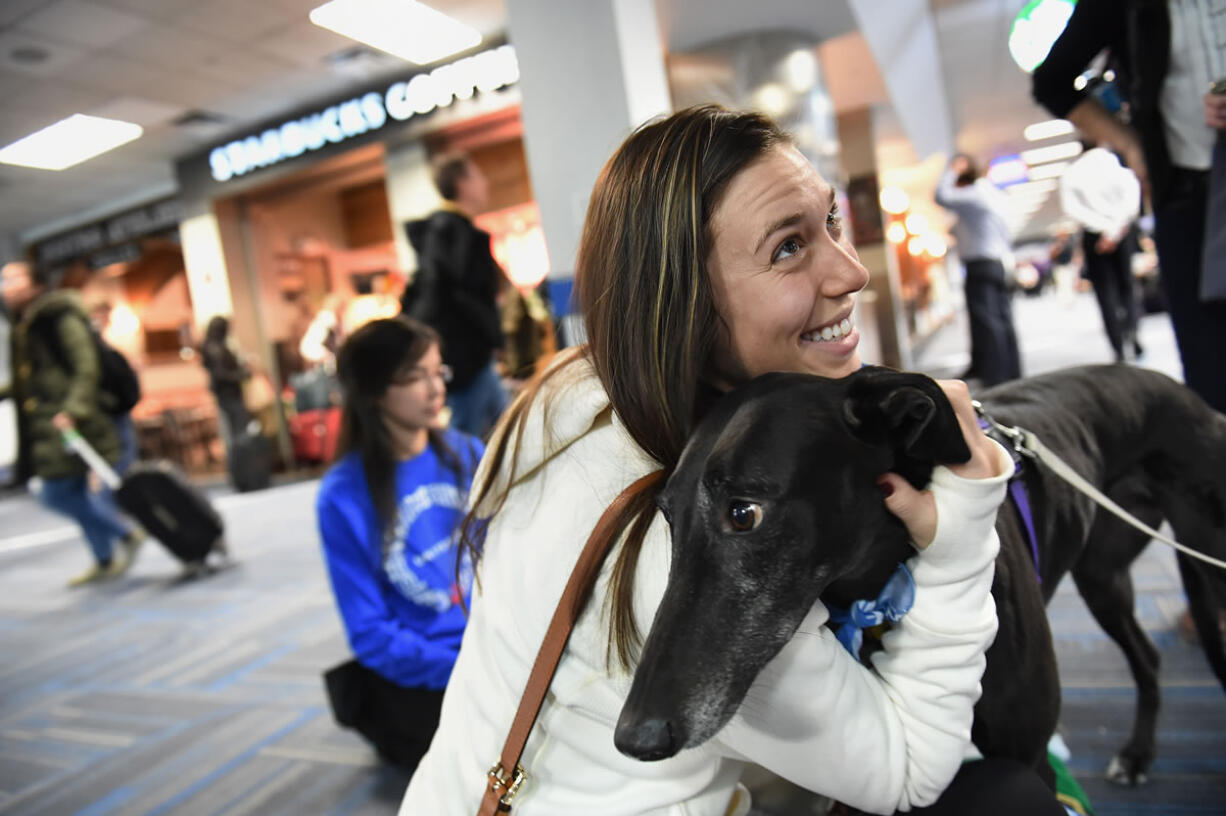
(29, 54)
(1034, 187)
(1056, 152)
(1048, 171)
(403, 28)
(69, 141)
(1046, 130)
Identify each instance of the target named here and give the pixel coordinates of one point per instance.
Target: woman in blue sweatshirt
(388, 513)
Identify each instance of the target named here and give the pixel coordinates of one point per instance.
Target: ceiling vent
(200, 119)
(360, 62)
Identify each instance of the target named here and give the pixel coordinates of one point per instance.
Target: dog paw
(1124, 771)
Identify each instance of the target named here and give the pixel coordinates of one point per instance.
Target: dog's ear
(908, 411)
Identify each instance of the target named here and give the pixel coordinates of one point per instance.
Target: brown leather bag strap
(505, 778)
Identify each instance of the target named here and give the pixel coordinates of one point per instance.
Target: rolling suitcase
(162, 501)
(314, 434)
(250, 462)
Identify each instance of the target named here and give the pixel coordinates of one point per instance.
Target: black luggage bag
(160, 498)
(171, 510)
(250, 462)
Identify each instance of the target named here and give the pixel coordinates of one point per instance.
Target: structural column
(590, 73)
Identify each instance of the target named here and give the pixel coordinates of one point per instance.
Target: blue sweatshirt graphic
(401, 611)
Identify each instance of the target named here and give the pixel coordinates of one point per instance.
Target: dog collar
(894, 601)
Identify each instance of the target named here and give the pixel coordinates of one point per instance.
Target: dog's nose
(648, 740)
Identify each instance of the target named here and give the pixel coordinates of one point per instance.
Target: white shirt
(1198, 58)
(981, 232)
(1100, 194)
(879, 740)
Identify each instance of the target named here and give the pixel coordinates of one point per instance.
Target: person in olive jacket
(56, 373)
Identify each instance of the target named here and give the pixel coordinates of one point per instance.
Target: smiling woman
(712, 253)
(783, 273)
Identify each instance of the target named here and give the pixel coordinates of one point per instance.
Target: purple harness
(1017, 491)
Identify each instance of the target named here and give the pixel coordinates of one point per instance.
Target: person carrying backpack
(118, 386)
(57, 385)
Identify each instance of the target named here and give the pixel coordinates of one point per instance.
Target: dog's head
(773, 504)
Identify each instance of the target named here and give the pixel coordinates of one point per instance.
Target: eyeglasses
(417, 376)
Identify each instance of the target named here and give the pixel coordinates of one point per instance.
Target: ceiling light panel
(1048, 171)
(403, 28)
(1047, 130)
(1056, 152)
(69, 141)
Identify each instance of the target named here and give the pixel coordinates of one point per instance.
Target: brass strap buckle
(501, 779)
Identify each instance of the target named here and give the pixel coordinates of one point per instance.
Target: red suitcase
(314, 434)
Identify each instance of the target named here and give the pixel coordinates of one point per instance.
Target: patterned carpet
(152, 695)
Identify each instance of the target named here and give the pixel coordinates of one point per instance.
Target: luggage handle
(77, 444)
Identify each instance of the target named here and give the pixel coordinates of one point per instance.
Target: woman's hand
(916, 508)
(1215, 110)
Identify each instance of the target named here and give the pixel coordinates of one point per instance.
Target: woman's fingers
(915, 508)
(983, 463)
(1215, 110)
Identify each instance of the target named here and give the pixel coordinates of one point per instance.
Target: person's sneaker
(96, 572)
(120, 562)
(131, 543)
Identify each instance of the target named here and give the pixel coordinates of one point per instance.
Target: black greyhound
(807, 451)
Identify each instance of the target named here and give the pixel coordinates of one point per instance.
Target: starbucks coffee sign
(361, 114)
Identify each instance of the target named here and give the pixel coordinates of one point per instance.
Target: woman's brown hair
(647, 305)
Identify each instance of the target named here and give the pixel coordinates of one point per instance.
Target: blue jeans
(95, 512)
(476, 407)
(126, 431)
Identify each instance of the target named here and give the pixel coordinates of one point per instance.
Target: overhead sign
(1004, 171)
(368, 112)
(115, 232)
(1036, 28)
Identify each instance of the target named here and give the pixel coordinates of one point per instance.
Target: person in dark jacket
(226, 377)
(1165, 54)
(55, 382)
(455, 292)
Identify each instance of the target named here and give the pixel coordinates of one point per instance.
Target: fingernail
(885, 487)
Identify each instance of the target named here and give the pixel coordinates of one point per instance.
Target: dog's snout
(648, 740)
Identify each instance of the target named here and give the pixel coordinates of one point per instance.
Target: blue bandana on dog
(892, 603)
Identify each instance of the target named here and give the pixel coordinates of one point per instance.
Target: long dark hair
(647, 302)
(367, 363)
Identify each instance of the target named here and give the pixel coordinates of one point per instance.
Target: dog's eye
(744, 516)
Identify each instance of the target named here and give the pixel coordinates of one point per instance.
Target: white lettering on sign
(482, 72)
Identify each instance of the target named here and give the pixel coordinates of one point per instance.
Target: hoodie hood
(55, 301)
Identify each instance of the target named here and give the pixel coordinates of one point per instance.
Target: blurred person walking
(122, 372)
(1104, 197)
(227, 373)
(56, 380)
(1167, 57)
(984, 245)
(1064, 266)
(455, 292)
(248, 454)
(388, 512)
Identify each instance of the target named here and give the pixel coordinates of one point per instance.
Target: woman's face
(783, 275)
(417, 394)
